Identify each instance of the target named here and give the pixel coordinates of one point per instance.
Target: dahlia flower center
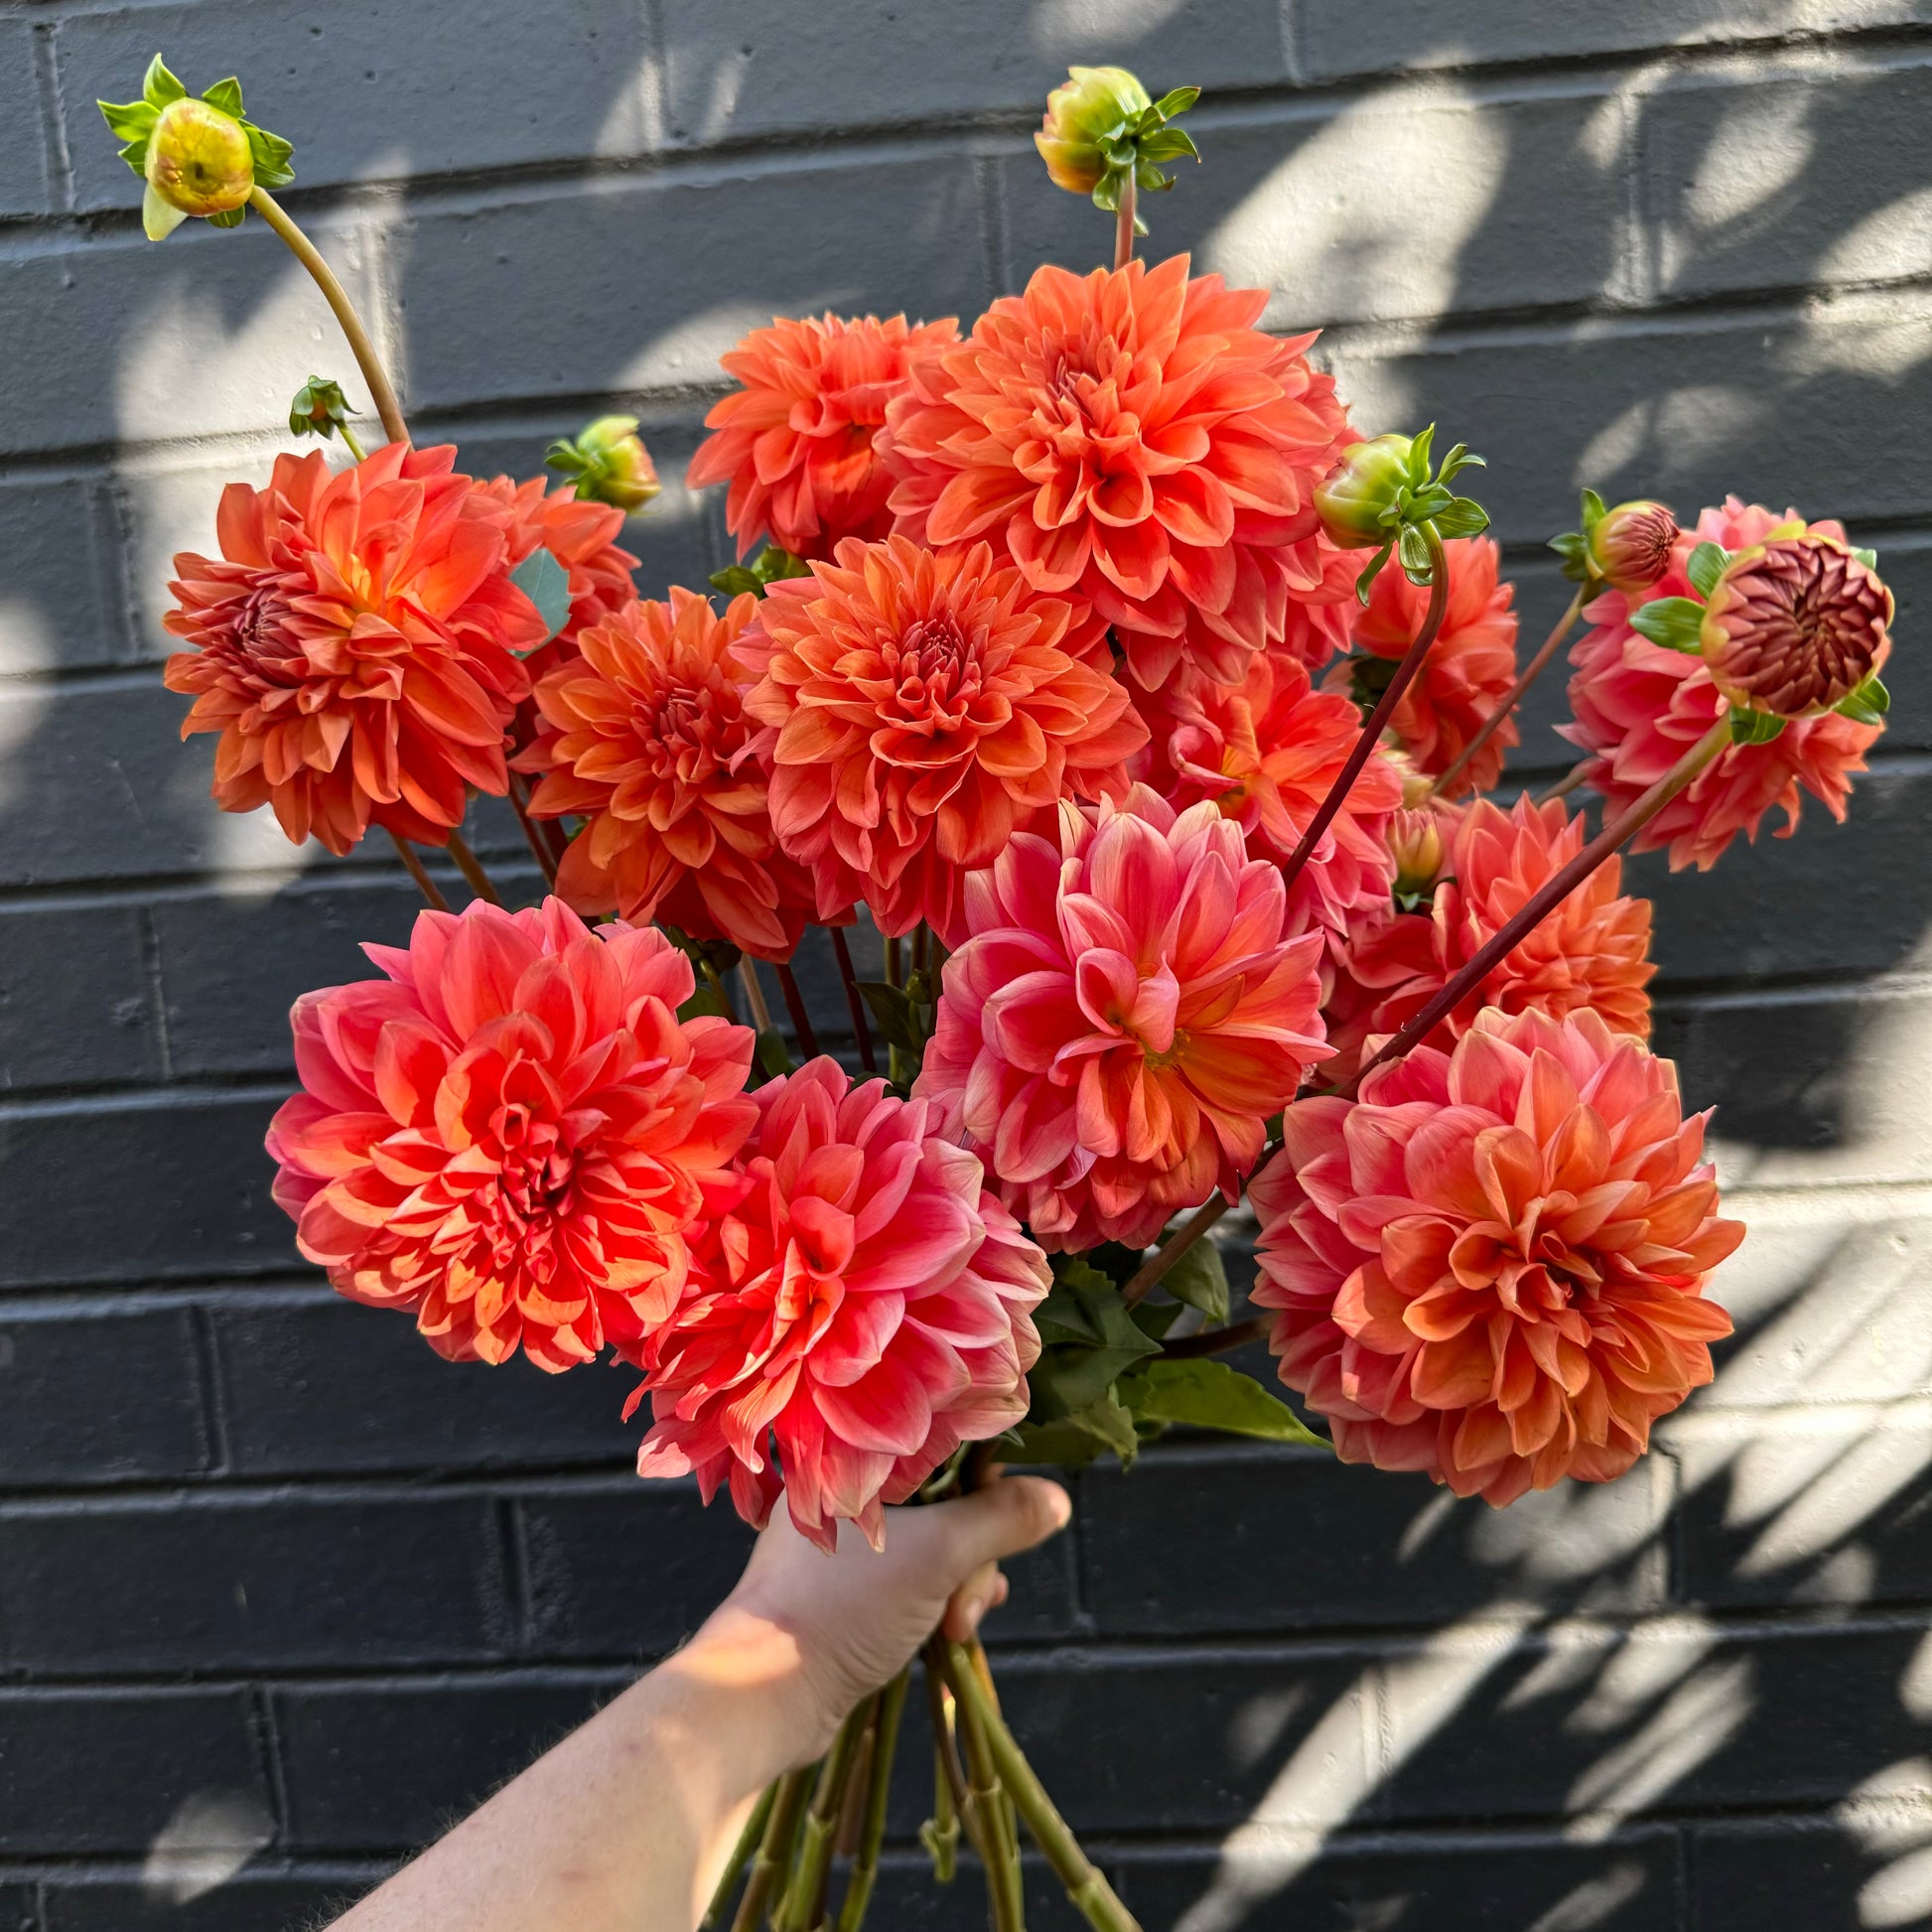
(516, 1216)
(684, 734)
(260, 637)
(1805, 623)
(935, 671)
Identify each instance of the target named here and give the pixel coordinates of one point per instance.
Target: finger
(1004, 1518)
(971, 1601)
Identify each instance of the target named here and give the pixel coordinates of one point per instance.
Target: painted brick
(1401, 1884)
(851, 236)
(250, 1902)
(1332, 39)
(59, 1428)
(1807, 1871)
(384, 1768)
(1905, 563)
(256, 1583)
(104, 1771)
(1414, 204)
(74, 1005)
(289, 1362)
(61, 604)
(1191, 1541)
(189, 1178)
(906, 1899)
(364, 89)
(23, 185)
(759, 67)
(18, 1909)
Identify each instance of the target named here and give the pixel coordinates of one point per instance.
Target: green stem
(381, 392)
(1569, 783)
(803, 1904)
(1531, 672)
(999, 1851)
(945, 1746)
(1085, 1885)
(872, 1831)
(348, 436)
(747, 1842)
(775, 1848)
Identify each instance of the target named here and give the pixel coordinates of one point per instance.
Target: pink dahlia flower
(1492, 1266)
(510, 1133)
(1127, 1012)
(1640, 707)
(862, 1307)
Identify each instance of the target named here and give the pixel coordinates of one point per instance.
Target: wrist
(746, 1673)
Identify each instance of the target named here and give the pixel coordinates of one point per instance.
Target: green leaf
(1673, 621)
(1463, 518)
(1755, 727)
(774, 1056)
(1706, 566)
(1089, 1337)
(733, 580)
(1866, 704)
(227, 96)
(1072, 1441)
(905, 1023)
(1205, 1393)
(1177, 100)
(1868, 558)
(545, 582)
(1595, 511)
(1199, 1280)
(704, 1003)
(1374, 570)
(160, 88)
(1155, 1319)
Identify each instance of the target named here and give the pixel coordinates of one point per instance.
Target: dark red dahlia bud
(1630, 545)
(1795, 625)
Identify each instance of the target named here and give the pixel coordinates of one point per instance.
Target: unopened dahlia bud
(1420, 838)
(1629, 547)
(1088, 111)
(198, 159)
(1362, 489)
(1794, 626)
(608, 463)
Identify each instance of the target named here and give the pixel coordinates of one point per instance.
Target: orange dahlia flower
(644, 734)
(1265, 752)
(1467, 675)
(795, 442)
(1131, 436)
(510, 1136)
(1592, 951)
(862, 1305)
(1492, 1266)
(354, 645)
(919, 709)
(1640, 707)
(1127, 1012)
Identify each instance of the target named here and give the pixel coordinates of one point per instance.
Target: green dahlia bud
(1085, 114)
(608, 463)
(1355, 501)
(199, 160)
(1629, 547)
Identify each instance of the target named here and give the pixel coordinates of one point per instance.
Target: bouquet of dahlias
(1147, 712)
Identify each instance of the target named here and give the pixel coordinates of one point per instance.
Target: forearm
(626, 1825)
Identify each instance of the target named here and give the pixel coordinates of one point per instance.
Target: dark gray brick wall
(264, 1560)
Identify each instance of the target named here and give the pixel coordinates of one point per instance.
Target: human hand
(823, 1631)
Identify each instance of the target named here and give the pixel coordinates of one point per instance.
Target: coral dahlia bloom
(795, 442)
(354, 645)
(1492, 1266)
(1265, 753)
(1467, 672)
(509, 1135)
(583, 537)
(1640, 707)
(1127, 1011)
(862, 1307)
(644, 734)
(1592, 951)
(920, 708)
(1131, 435)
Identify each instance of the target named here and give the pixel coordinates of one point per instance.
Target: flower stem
(348, 436)
(471, 868)
(754, 995)
(872, 1832)
(538, 844)
(381, 393)
(432, 892)
(714, 980)
(1569, 783)
(940, 1833)
(1627, 823)
(1219, 1341)
(801, 1020)
(999, 1847)
(1124, 225)
(1532, 670)
(803, 1904)
(1405, 673)
(1089, 1890)
(945, 1744)
(775, 1848)
(747, 1842)
(854, 1000)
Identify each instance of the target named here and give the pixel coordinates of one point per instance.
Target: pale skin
(626, 1826)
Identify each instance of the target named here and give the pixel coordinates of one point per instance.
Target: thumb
(1004, 1518)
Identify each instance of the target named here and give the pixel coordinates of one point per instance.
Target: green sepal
(1458, 459)
(1594, 509)
(318, 408)
(1177, 100)
(133, 122)
(770, 566)
(1170, 144)
(1419, 449)
(227, 96)
(1413, 549)
(1706, 564)
(1867, 557)
(1201, 1393)
(159, 218)
(1673, 621)
(227, 218)
(159, 88)
(1574, 549)
(1199, 1279)
(546, 583)
(1755, 727)
(1463, 516)
(1375, 564)
(1867, 704)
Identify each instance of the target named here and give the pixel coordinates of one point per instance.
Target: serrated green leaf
(227, 96)
(1595, 511)
(1755, 727)
(1089, 1336)
(1206, 1394)
(1156, 1317)
(1072, 1441)
(1673, 621)
(1201, 1279)
(1868, 558)
(160, 88)
(1866, 704)
(1706, 564)
(545, 582)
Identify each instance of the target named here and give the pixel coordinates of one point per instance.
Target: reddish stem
(801, 1020)
(1631, 820)
(471, 868)
(1532, 670)
(1405, 674)
(1218, 1342)
(1569, 783)
(854, 1000)
(431, 891)
(1124, 225)
(539, 844)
